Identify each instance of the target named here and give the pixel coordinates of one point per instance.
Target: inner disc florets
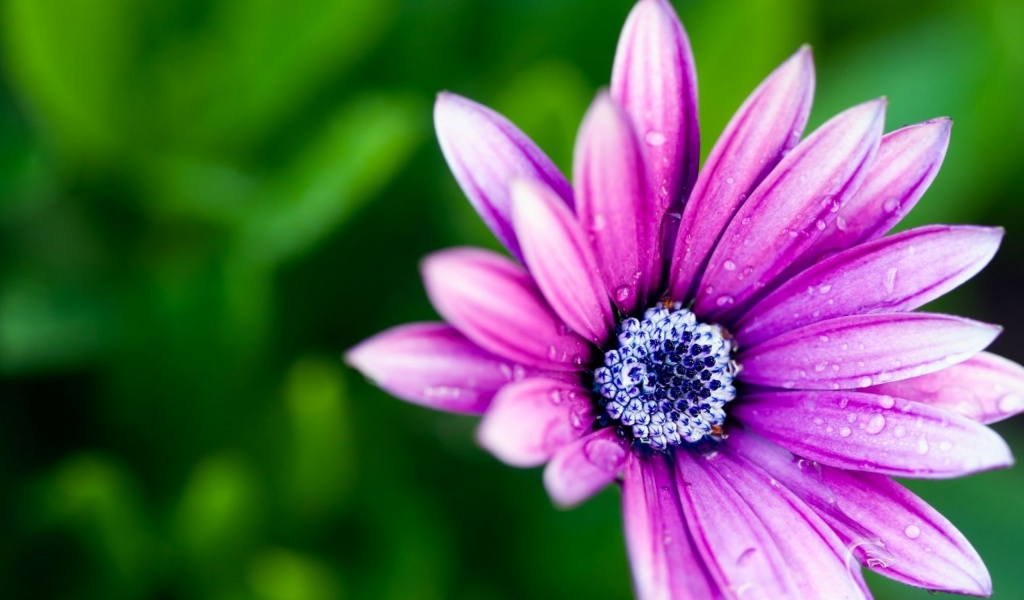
(669, 379)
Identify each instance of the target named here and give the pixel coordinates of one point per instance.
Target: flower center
(669, 379)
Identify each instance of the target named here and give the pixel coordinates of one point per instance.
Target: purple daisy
(734, 347)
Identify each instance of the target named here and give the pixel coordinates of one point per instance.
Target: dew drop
(922, 445)
(890, 280)
(864, 381)
(891, 205)
(886, 401)
(622, 293)
(729, 265)
(875, 424)
(845, 432)
(899, 431)
(820, 225)
(1011, 403)
(912, 531)
(724, 300)
(654, 138)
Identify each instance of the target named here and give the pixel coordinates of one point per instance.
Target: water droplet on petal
(922, 445)
(891, 205)
(886, 401)
(724, 300)
(864, 381)
(654, 138)
(845, 432)
(1011, 403)
(729, 265)
(912, 531)
(875, 424)
(622, 293)
(890, 280)
(899, 431)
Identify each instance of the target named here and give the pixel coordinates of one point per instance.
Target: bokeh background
(204, 202)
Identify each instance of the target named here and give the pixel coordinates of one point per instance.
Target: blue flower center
(669, 379)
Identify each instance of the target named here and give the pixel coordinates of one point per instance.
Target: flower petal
(908, 160)
(485, 153)
(894, 274)
(889, 529)
(986, 388)
(759, 540)
(789, 210)
(579, 470)
(494, 303)
(529, 420)
(874, 433)
(764, 129)
(858, 351)
(615, 206)
(434, 365)
(558, 255)
(665, 563)
(654, 79)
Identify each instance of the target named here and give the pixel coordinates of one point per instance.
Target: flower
(734, 347)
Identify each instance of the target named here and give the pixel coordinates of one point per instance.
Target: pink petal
(615, 206)
(665, 563)
(907, 161)
(580, 469)
(764, 129)
(562, 263)
(858, 351)
(758, 539)
(485, 153)
(986, 388)
(789, 210)
(869, 432)
(887, 528)
(655, 81)
(529, 420)
(494, 303)
(894, 274)
(434, 365)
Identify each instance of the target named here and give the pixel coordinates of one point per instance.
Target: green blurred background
(204, 202)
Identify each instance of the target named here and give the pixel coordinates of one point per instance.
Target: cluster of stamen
(669, 380)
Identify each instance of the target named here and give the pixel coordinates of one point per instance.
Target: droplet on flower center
(669, 379)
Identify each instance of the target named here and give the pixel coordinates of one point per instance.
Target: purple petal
(665, 563)
(758, 539)
(434, 365)
(889, 529)
(614, 204)
(580, 469)
(529, 420)
(986, 388)
(862, 350)
(655, 81)
(874, 433)
(893, 274)
(562, 263)
(485, 153)
(907, 161)
(494, 303)
(764, 129)
(789, 210)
